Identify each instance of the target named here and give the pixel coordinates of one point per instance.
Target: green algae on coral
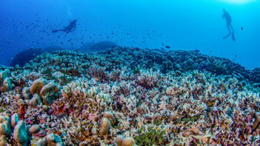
(150, 137)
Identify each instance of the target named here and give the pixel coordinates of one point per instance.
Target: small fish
(167, 47)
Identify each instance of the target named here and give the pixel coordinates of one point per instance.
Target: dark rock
(255, 75)
(25, 56)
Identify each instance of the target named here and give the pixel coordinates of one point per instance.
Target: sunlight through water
(238, 1)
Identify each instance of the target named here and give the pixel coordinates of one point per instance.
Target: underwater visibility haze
(129, 72)
(187, 25)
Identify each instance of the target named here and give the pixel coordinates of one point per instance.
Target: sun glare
(238, 1)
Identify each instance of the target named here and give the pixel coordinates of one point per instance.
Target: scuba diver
(71, 27)
(230, 28)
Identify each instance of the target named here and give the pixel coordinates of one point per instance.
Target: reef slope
(127, 97)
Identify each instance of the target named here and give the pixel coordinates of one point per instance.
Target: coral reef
(25, 56)
(151, 137)
(127, 141)
(127, 97)
(21, 134)
(98, 46)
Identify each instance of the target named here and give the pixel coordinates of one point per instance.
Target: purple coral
(97, 73)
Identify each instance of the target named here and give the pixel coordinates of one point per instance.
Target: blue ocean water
(185, 24)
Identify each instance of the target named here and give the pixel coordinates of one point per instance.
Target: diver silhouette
(231, 31)
(71, 27)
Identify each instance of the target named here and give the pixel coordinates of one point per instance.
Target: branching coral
(97, 73)
(148, 80)
(128, 97)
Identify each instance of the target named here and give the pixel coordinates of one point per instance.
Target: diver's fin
(226, 36)
(233, 37)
